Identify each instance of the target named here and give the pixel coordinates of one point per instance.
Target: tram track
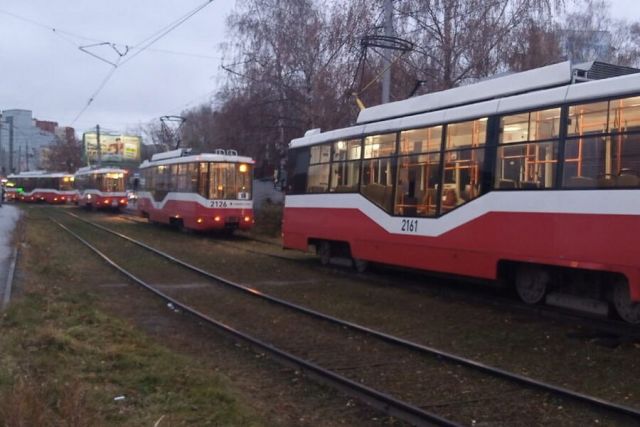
(508, 384)
(604, 330)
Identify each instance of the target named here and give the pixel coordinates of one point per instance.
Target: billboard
(113, 148)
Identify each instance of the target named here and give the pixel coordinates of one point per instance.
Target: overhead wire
(146, 43)
(140, 47)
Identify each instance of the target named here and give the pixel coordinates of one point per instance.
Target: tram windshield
(112, 181)
(230, 181)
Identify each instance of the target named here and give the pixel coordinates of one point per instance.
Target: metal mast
(388, 31)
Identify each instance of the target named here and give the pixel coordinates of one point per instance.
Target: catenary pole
(388, 31)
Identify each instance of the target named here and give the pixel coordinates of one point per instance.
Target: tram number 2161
(409, 225)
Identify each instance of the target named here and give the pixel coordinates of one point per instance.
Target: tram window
(426, 140)
(526, 166)
(162, 178)
(318, 178)
(467, 134)
(602, 162)
(345, 169)
(181, 177)
(625, 114)
(378, 181)
(462, 177)
(66, 183)
(320, 154)
(417, 182)
(544, 124)
(588, 118)
(627, 149)
(203, 181)
(297, 164)
(379, 145)
(345, 176)
(514, 128)
(244, 181)
(174, 177)
(221, 181)
(346, 150)
(192, 173)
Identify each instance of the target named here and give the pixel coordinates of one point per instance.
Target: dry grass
(63, 360)
(269, 220)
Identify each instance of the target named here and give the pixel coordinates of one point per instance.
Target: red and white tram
(198, 192)
(40, 186)
(102, 188)
(533, 177)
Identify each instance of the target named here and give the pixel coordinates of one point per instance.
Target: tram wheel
(628, 310)
(324, 252)
(360, 265)
(532, 283)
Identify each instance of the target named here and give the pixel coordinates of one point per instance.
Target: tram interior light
(243, 168)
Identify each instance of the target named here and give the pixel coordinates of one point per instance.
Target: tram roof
(410, 113)
(204, 157)
(497, 87)
(89, 170)
(38, 174)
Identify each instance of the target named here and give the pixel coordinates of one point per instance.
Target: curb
(7, 289)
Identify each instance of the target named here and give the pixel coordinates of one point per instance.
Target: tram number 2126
(409, 225)
(218, 204)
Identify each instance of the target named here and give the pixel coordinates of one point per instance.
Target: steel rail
(381, 401)
(498, 372)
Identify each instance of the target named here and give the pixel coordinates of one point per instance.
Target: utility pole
(98, 147)
(386, 61)
(10, 120)
(26, 155)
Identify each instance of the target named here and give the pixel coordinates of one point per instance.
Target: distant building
(24, 140)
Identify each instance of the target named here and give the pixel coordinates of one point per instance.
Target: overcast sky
(47, 73)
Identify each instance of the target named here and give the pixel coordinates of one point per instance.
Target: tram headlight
(217, 218)
(247, 218)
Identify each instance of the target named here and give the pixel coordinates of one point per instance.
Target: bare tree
(463, 40)
(293, 66)
(589, 33)
(64, 155)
